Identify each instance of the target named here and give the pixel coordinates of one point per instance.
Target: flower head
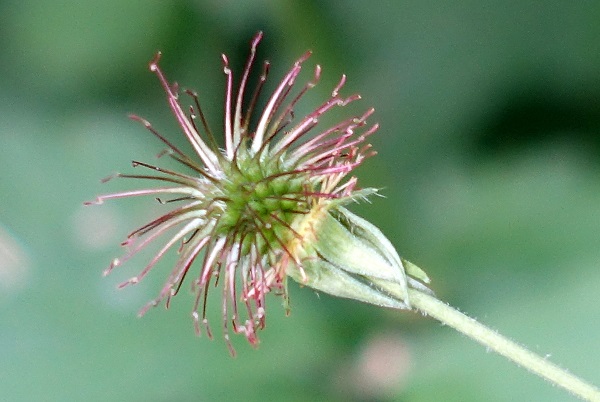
(251, 213)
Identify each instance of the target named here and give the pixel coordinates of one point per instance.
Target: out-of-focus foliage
(488, 157)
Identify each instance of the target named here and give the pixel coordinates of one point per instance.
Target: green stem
(502, 345)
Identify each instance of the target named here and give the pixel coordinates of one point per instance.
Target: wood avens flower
(267, 206)
(270, 205)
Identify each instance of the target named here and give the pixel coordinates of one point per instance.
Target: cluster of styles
(267, 206)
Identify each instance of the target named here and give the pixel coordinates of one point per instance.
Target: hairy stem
(491, 339)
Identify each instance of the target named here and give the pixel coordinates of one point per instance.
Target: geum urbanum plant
(271, 205)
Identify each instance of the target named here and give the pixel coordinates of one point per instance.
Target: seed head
(251, 213)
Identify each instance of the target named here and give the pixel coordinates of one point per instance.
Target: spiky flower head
(260, 209)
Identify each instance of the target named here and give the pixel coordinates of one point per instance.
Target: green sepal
(351, 258)
(328, 278)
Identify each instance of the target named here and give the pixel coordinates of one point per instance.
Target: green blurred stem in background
(447, 315)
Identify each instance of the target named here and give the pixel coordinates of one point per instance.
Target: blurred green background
(488, 158)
